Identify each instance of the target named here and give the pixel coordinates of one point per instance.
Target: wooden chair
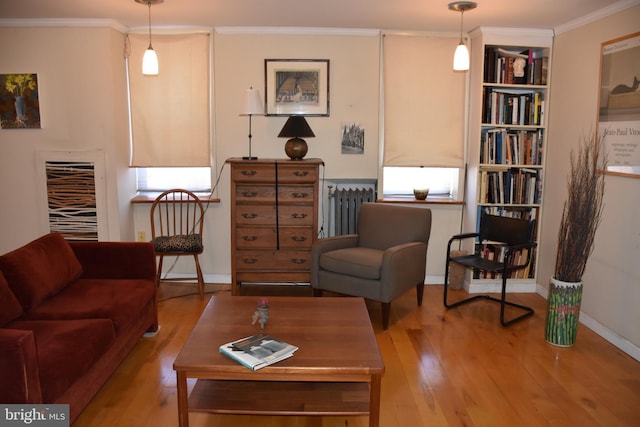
(384, 260)
(176, 230)
(506, 236)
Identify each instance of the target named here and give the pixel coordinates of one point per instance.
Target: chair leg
(420, 293)
(386, 311)
(200, 278)
(528, 311)
(446, 302)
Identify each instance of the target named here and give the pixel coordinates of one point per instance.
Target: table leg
(183, 407)
(374, 400)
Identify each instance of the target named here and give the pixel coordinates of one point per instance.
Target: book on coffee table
(257, 351)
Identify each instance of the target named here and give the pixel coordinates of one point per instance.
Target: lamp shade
(251, 103)
(461, 58)
(150, 62)
(296, 126)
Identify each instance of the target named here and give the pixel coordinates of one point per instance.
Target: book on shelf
(257, 351)
(515, 67)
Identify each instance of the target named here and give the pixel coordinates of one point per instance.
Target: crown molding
(316, 31)
(597, 15)
(99, 23)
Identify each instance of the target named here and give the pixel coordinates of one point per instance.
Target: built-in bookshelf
(507, 136)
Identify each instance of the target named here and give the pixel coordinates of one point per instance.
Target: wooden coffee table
(336, 371)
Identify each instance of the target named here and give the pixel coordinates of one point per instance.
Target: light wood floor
(443, 368)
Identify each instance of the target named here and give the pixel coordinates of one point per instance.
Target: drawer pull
(250, 260)
(248, 173)
(301, 173)
(249, 215)
(299, 195)
(298, 260)
(249, 238)
(298, 215)
(298, 238)
(249, 193)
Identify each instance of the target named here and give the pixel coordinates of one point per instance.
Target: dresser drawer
(253, 173)
(296, 237)
(290, 260)
(297, 215)
(256, 238)
(297, 174)
(296, 193)
(255, 193)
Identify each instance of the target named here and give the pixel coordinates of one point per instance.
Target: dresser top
(263, 161)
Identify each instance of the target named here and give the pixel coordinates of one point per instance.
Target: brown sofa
(70, 312)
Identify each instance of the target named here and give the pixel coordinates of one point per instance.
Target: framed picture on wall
(19, 104)
(296, 87)
(619, 104)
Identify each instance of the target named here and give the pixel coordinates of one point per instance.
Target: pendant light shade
(150, 62)
(150, 58)
(461, 55)
(461, 58)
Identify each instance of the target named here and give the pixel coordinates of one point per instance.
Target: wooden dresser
(274, 219)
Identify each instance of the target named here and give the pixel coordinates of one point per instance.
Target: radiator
(345, 206)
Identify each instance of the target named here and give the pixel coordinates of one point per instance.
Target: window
(161, 179)
(402, 180)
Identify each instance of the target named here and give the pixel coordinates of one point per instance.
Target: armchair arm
(403, 267)
(116, 260)
(19, 367)
(328, 244)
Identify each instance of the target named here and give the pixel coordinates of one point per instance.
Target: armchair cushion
(357, 261)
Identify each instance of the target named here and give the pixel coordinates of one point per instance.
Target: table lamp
(296, 128)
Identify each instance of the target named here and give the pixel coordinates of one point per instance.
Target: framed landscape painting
(296, 87)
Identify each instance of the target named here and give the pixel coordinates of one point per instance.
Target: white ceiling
(406, 15)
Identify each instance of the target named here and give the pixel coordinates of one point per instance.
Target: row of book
(512, 107)
(513, 67)
(511, 147)
(510, 186)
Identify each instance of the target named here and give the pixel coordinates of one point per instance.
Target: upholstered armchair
(382, 261)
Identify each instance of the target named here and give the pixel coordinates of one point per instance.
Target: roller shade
(170, 116)
(424, 102)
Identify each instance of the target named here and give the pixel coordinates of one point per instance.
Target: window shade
(424, 102)
(170, 116)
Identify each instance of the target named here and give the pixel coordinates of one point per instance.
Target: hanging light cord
(149, 4)
(461, 24)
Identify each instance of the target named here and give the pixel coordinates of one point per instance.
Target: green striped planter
(563, 312)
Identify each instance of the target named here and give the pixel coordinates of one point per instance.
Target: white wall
(83, 107)
(612, 279)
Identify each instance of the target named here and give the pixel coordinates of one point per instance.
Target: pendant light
(150, 59)
(461, 56)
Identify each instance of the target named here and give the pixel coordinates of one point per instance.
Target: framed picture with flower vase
(19, 105)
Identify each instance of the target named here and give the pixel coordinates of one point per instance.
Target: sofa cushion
(118, 300)
(40, 269)
(357, 261)
(66, 350)
(10, 307)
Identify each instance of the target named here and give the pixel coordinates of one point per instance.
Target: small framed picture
(296, 87)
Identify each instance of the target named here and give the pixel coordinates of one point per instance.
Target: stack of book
(257, 351)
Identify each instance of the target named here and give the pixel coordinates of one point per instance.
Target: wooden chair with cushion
(382, 261)
(176, 230)
(511, 242)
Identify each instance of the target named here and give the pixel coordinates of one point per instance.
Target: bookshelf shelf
(509, 83)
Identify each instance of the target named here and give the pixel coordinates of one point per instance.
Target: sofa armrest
(116, 260)
(403, 267)
(19, 367)
(321, 246)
